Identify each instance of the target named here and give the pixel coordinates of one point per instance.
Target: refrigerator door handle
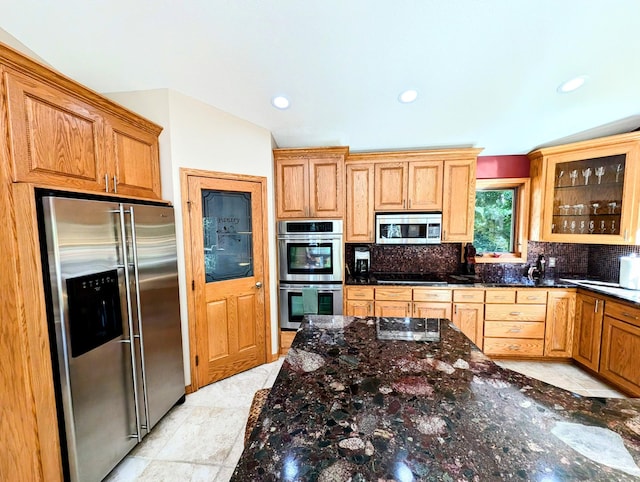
(127, 281)
(136, 275)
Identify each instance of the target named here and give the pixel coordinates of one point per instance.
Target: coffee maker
(362, 262)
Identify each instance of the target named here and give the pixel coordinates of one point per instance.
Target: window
(501, 220)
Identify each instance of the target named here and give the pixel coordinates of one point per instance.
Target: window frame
(521, 223)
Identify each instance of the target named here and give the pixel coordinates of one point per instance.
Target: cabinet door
(360, 214)
(458, 200)
(134, 164)
(425, 185)
(326, 192)
(292, 188)
(589, 190)
(588, 331)
(469, 317)
(619, 358)
(391, 186)
(558, 337)
(393, 308)
(431, 310)
(359, 308)
(55, 137)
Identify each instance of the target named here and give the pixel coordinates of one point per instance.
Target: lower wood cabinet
(620, 349)
(558, 336)
(588, 330)
(468, 313)
(358, 301)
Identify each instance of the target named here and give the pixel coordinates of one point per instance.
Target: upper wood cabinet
(586, 192)
(62, 135)
(310, 182)
(459, 199)
(359, 213)
(412, 186)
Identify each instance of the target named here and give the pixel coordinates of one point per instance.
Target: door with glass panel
(228, 268)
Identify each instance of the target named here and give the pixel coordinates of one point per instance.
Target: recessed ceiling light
(280, 102)
(572, 84)
(408, 96)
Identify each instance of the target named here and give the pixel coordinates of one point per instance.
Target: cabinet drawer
(515, 312)
(531, 296)
(514, 329)
(431, 295)
(622, 312)
(392, 294)
(513, 346)
(468, 296)
(359, 293)
(500, 296)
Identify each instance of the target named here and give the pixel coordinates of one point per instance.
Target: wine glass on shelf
(573, 227)
(560, 174)
(603, 227)
(612, 207)
(573, 175)
(581, 227)
(619, 170)
(586, 173)
(595, 207)
(613, 226)
(565, 223)
(599, 173)
(592, 227)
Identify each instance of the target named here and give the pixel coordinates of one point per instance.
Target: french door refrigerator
(113, 311)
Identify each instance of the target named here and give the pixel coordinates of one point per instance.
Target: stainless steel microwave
(408, 228)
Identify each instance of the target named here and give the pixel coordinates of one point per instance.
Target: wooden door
(133, 164)
(393, 308)
(425, 185)
(359, 308)
(390, 186)
(619, 357)
(359, 212)
(469, 318)
(432, 310)
(326, 187)
(56, 138)
(458, 200)
(292, 188)
(226, 229)
(558, 338)
(588, 330)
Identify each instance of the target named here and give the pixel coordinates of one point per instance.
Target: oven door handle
(320, 288)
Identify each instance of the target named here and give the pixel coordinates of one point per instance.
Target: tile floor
(203, 439)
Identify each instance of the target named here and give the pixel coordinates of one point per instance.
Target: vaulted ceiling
(486, 71)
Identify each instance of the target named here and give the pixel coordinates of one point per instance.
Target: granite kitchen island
(348, 406)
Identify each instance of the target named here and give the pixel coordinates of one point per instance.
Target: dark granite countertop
(346, 406)
(462, 281)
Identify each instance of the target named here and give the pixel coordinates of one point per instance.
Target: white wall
(199, 136)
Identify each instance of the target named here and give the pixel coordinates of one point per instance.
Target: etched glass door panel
(588, 196)
(226, 223)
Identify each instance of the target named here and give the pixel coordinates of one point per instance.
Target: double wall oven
(310, 263)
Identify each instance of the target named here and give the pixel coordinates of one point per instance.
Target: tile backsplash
(596, 261)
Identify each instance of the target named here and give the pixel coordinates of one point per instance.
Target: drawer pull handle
(467, 296)
(515, 330)
(514, 347)
(515, 313)
(532, 297)
(629, 315)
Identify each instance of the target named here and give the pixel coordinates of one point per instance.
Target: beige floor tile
(208, 436)
(225, 474)
(155, 441)
(166, 471)
(128, 470)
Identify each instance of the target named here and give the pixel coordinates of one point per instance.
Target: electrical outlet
(552, 262)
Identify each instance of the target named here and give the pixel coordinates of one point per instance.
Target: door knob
(258, 284)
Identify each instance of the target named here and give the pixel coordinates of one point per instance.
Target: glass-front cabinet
(587, 192)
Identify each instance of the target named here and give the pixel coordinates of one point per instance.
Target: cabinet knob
(258, 284)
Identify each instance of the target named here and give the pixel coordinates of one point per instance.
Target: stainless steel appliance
(113, 312)
(408, 228)
(630, 272)
(291, 302)
(362, 258)
(310, 251)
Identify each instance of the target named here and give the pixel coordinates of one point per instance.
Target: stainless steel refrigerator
(113, 311)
